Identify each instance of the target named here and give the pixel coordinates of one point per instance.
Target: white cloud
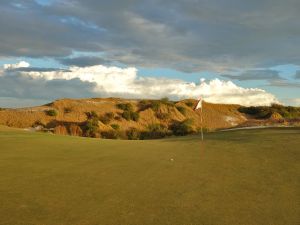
(124, 82)
(21, 64)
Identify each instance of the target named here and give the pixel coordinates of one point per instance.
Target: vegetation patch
(110, 134)
(133, 134)
(190, 104)
(264, 112)
(125, 106)
(115, 126)
(67, 110)
(51, 112)
(162, 116)
(182, 128)
(155, 131)
(181, 109)
(107, 117)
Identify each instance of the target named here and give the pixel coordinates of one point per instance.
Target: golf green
(244, 177)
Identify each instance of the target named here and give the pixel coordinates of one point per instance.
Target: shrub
(51, 112)
(182, 128)
(67, 110)
(60, 129)
(126, 115)
(181, 109)
(155, 105)
(91, 127)
(125, 106)
(190, 104)
(115, 126)
(92, 115)
(75, 130)
(129, 115)
(143, 105)
(111, 134)
(38, 123)
(133, 134)
(166, 101)
(107, 117)
(135, 116)
(118, 118)
(262, 112)
(155, 131)
(162, 116)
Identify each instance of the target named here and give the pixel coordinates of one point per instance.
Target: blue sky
(253, 44)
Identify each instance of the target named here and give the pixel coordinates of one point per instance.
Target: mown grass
(237, 177)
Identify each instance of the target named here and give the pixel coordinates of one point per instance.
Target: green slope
(237, 177)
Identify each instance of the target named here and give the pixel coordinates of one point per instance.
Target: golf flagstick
(199, 105)
(201, 123)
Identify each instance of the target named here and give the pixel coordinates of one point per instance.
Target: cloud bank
(186, 35)
(102, 81)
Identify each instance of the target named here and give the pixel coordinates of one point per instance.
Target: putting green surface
(244, 177)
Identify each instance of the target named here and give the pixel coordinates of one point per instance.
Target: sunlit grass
(237, 177)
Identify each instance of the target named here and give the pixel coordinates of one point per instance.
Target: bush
(135, 116)
(107, 117)
(155, 131)
(38, 123)
(115, 126)
(166, 101)
(92, 115)
(126, 115)
(111, 134)
(182, 128)
(190, 104)
(91, 127)
(181, 109)
(162, 116)
(133, 134)
(51, 112)
(75, 130)
(143, 105)
(67, 110)
(263, 112)
(125, 106)
(118, 118)
(129, 115)
(154, 105)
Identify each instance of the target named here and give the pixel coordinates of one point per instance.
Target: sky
(227, 51)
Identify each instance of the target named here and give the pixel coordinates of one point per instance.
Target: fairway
(244, 177)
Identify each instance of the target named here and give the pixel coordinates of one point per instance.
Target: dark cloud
(36, 69)
(188, 35)
(83, 61)
(15, 85)
(255, 75)
(297, 75)
(284, 84)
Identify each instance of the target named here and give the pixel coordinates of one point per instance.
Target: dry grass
(74, 111)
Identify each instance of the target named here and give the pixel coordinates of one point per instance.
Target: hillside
(115, 118)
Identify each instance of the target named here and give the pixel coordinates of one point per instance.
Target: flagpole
(201, 123)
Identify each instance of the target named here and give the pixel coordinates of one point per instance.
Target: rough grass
(237, 177)
(214, 115)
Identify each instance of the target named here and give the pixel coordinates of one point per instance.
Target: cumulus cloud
(21, 64)
(122, 82)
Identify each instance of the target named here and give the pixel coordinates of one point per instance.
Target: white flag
(199, 105)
